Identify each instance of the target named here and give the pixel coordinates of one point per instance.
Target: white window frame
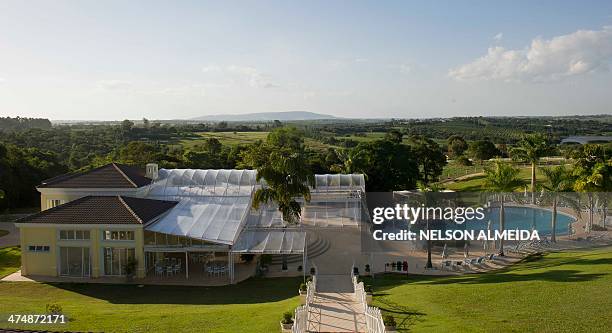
(74, 234)
(52, 203)
(109, 232)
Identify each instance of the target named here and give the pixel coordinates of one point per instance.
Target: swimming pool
(525, 218)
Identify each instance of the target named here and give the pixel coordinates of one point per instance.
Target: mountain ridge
(267, 116)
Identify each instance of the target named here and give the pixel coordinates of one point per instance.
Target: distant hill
(267, 116)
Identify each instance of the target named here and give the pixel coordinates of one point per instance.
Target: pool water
(525, 218)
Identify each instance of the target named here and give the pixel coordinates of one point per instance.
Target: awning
(271, 242)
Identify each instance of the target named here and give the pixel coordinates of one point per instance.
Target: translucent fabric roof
(338, 181)
(178, 183)
(331, 213)
(271, 241)
(266, 216)
(215, 205)
(215, 219)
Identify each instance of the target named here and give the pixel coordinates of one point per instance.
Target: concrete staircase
(317, 245)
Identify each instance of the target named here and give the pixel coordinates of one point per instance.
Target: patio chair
(159, 270)
(169, 270)
(176, 269)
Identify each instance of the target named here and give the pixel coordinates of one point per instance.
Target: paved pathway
(12, 238)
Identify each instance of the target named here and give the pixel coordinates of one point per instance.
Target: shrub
(130, 267)
(54, 309)
(389, 320)
(462, 160)
(300, 268)
(312, 271)
(367, 268)
(368, 288)
(303, 286)
(287, 318)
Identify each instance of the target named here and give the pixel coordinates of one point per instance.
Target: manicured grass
(255, 305)
(10, 260)
(559, 292)
(476, 183)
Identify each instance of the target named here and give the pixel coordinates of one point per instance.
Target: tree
(482, 150)
(349, 161)
(138, 153)
(503, 179)
(530, 149)
(456, 145)
(558, 180)
(394, 136)
(593, 172)
(281, 162)
(430, 158)
(389, 166)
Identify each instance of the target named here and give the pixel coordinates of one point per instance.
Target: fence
(373, 316)
(302, 313)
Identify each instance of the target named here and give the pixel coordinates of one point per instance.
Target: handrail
(374, 321)
(302, 313)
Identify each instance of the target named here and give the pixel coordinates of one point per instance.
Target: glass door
(74, 261)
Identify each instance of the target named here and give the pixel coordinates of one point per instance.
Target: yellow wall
(44, 199)
(46, 263)
(38, 263)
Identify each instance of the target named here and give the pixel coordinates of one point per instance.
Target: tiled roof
(112, 175)
(102, 210)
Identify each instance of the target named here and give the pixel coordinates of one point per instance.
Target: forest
(394, 154)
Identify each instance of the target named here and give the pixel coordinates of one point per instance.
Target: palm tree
(350, 161)
(429, 200)
(287, 177)
(503, 179)
(558, 179)
(530, 149)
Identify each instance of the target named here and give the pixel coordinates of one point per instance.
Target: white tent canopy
(338, 182)
(271, 242)
(215, 218)
(179, 183)
(215, 205)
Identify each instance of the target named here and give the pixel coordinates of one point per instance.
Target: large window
(115, 259)
(118, 235)
(74, 234)
(74, 261)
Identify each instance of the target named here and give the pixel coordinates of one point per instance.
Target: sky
(112, 60)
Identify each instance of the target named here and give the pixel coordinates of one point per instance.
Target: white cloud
(251, 75)
(498, 37)
(583, 51)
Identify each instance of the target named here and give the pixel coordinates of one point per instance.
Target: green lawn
(476, 183)
(10, 260)
(560, 292)
(255, 305)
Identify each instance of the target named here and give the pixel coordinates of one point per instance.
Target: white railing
(302, 313)
(374, 321)
(301, 319)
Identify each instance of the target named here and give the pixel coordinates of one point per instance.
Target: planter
(286, 327)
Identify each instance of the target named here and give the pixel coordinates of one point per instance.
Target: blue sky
(165, 60)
